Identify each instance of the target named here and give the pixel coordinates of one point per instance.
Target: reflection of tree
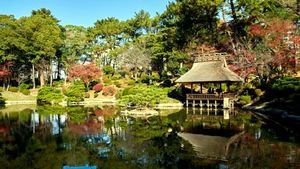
(77, 114)
(90, 126)
(46, 110)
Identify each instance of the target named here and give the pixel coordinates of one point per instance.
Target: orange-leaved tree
(86, 73)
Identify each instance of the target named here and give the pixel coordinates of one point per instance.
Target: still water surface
(57, 137)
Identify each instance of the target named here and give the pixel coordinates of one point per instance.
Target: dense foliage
(109, 91)
(286, 86)
(49, 95)
(75, 92)
(144, 96)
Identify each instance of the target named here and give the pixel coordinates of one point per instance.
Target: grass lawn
(16, 96)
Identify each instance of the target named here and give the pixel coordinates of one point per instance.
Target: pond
(101, 137)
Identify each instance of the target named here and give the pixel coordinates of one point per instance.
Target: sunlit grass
(17, 96)
(17, 108)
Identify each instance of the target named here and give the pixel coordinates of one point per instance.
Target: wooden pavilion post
(228, 87)
(201, 88)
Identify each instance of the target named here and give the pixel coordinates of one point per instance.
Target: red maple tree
(5, 72)
(5, 69)
(86, 73)
(281, 38)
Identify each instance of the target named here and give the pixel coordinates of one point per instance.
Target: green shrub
(76, 92)
(117, 83)
(107, 69)
(116, 77)
(143, 96)
(96, 95)
(49, 95)
(13, 89)
(25, 91)
(245, 99)
(286, 85)
(58, 83)
(25, 86)
(1, 89)
(131, 82)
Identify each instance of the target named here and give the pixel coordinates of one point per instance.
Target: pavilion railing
(208, 96)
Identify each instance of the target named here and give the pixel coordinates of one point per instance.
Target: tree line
(262, 38)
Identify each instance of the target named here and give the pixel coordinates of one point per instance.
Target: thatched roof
(209, 71)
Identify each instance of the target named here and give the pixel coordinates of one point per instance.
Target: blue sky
(83, 12)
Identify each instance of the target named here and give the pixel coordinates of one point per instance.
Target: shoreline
(111, 101)
(290, 123)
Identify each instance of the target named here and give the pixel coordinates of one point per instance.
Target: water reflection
(99, 136)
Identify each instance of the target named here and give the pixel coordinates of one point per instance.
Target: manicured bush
(13, 89)
(107, 69)
(116, 76)
(25, 91)
(109, 91)
(75, 92)
(49, 95)
(144, 96)
(98, 87)
(245, 99)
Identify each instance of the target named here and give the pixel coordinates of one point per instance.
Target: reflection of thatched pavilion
(209, 68)
(211, 147)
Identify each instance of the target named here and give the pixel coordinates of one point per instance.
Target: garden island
(200, 84)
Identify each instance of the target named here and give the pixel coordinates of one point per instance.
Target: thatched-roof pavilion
(209, 68)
